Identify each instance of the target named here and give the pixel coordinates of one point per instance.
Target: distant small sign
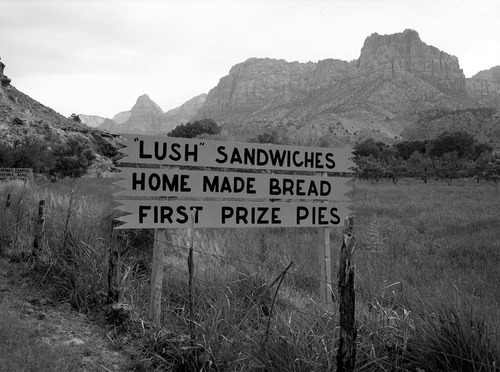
(16, 174)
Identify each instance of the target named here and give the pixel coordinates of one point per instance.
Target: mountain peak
(144, 103)
(397, 54)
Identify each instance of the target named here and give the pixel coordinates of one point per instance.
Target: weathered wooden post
(114, 268)
(39, 228)
(190, 262)
(160, 244)
(7, 202)
(346, 355)
(324, 260)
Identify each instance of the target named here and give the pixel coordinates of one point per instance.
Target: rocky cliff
(394, 77)
(393, 56)
(91, 120)
(485, 87)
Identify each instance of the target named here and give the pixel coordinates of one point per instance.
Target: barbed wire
(378, 299)
(275, 267)
(332, 316)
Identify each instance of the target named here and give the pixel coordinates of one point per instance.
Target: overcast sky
(97, 57)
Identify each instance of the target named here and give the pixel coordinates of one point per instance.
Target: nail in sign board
(224, 154)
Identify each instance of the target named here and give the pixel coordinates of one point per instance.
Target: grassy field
(427, 279)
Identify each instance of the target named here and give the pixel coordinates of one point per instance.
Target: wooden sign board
(16, 174)
(144, 149)
(177, 214)
(141, 182)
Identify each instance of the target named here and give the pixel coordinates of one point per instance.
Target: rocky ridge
(91, 120)
(147, 117)
(395, 77)
(393, 89)
(22, 116)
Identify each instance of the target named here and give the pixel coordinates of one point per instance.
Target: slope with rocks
(91, 120)
(22, 116)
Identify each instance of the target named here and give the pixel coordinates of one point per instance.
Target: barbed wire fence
(390, 314)
(386, 315)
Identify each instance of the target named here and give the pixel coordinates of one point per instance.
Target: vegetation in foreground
(428, 280)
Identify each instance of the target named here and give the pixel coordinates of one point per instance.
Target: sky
(98, 57)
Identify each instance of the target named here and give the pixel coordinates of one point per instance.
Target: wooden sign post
(297, 200)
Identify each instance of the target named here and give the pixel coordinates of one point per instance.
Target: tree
(460, 142)
(421, 166)
(406, 148)
(75, 117)
(72, 159)
(449, 166)
(396, 169)
(370, 168)
(194, 129)
(377, 149)
(27, 152)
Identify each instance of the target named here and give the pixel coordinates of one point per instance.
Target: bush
(72, 159)
(194, 129)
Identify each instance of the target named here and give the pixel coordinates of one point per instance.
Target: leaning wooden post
(114, 268)
(39, 228)
(7, 202)
(324, 260)
(346, 355)
(157, 275)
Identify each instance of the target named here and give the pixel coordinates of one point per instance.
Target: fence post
(191, 277)
(40, 224)
(114, 268)
(325, 261)
(7, 202)
(160, 244)
(346, 355)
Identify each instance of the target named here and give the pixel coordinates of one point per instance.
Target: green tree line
(448, 156)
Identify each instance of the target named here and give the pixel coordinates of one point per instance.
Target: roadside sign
(177, 214)
(142, 182)
(144, 149)
(16, 174)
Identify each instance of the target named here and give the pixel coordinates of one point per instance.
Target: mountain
(22, 117)
(147, 117)
(396, 83)
(122, 117)
(485, 86)
(399, 87)
(91, 120)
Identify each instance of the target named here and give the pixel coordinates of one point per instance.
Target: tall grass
(427, 264)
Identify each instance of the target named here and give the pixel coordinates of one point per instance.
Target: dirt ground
(58, 324)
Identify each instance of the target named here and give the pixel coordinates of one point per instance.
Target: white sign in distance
(141, 182)
(144, 149)
(177, 214)
(16, 174)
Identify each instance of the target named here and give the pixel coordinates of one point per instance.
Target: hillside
(22, 116)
